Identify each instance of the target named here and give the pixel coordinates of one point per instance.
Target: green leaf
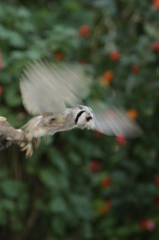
(151, 30)
(58, 205)
(12, 96)
(11, 188)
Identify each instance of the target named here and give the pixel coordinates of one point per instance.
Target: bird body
(47, 90)
(48, 124)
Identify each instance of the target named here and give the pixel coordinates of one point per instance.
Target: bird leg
(36, 142)
(28, 148)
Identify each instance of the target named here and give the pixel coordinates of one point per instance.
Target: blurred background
(82, 184)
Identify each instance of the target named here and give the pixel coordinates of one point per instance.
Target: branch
(8, 134)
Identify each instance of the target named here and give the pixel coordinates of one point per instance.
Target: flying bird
(48, 89)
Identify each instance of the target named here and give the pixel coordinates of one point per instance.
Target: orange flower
(155, 3)
(135, 69)
(114, 56)
(106, 182)
(105, 207)
(84, 30)
(132, 113)
(58, 56)
(107, 77)
(1, 90)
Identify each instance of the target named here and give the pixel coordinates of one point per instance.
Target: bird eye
(52, 120)
(88, 119)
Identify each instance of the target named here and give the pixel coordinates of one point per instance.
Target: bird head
(84, 118)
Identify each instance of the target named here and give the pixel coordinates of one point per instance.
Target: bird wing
(112, 121)
(49, 87)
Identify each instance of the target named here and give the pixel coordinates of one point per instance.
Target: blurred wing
(74, 80)
(40, 90)
(48, 87)
(116, 122)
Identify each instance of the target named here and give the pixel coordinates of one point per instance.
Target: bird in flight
(48, 89)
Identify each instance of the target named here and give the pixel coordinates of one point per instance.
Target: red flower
(1, 90)
(155, 3)
(114, 56)
(147, 224)
(95, 166)
(135, 69)
(157, 180)
(156, 200)
(155, 47)
(121, 139)
(84, 30)
(58, 56)
(106, 182)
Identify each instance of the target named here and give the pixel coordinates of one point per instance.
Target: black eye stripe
(78, 115)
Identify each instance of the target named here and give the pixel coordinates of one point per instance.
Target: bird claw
(29, 150)
(28, 146)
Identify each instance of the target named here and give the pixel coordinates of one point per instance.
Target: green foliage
(57, 194)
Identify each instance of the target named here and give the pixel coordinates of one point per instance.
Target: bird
(53, 94)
